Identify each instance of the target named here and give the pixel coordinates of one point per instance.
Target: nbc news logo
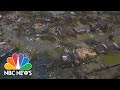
(18, 65)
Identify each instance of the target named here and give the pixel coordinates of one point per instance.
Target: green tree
(110, 37)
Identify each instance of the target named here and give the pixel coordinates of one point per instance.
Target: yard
(111, 58)
(40, 42)
(95, 34)
(116, 38)
(53, 53)
(83, 36)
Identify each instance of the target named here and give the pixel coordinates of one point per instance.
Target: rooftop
(40, 27)
(82, 28)
(84, 52)
(100, 48)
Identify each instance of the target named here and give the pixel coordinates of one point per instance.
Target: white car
(58, 46)
(31, 40)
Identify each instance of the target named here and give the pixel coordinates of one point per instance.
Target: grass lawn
(116, 38)
(53, 53)
(111, 58)
(97, 34)
(83, 36)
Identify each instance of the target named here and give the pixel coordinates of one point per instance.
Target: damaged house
(39, 27)
(82, 53)
(82, 29)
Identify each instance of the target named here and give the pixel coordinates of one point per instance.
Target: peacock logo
(18, 62)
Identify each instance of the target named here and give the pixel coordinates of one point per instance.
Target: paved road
(51, 46)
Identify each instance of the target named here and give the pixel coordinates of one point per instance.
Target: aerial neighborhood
(63, 44)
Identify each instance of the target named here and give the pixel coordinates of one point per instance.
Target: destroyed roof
(84, 52)
(82, 28)
(40, 27)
